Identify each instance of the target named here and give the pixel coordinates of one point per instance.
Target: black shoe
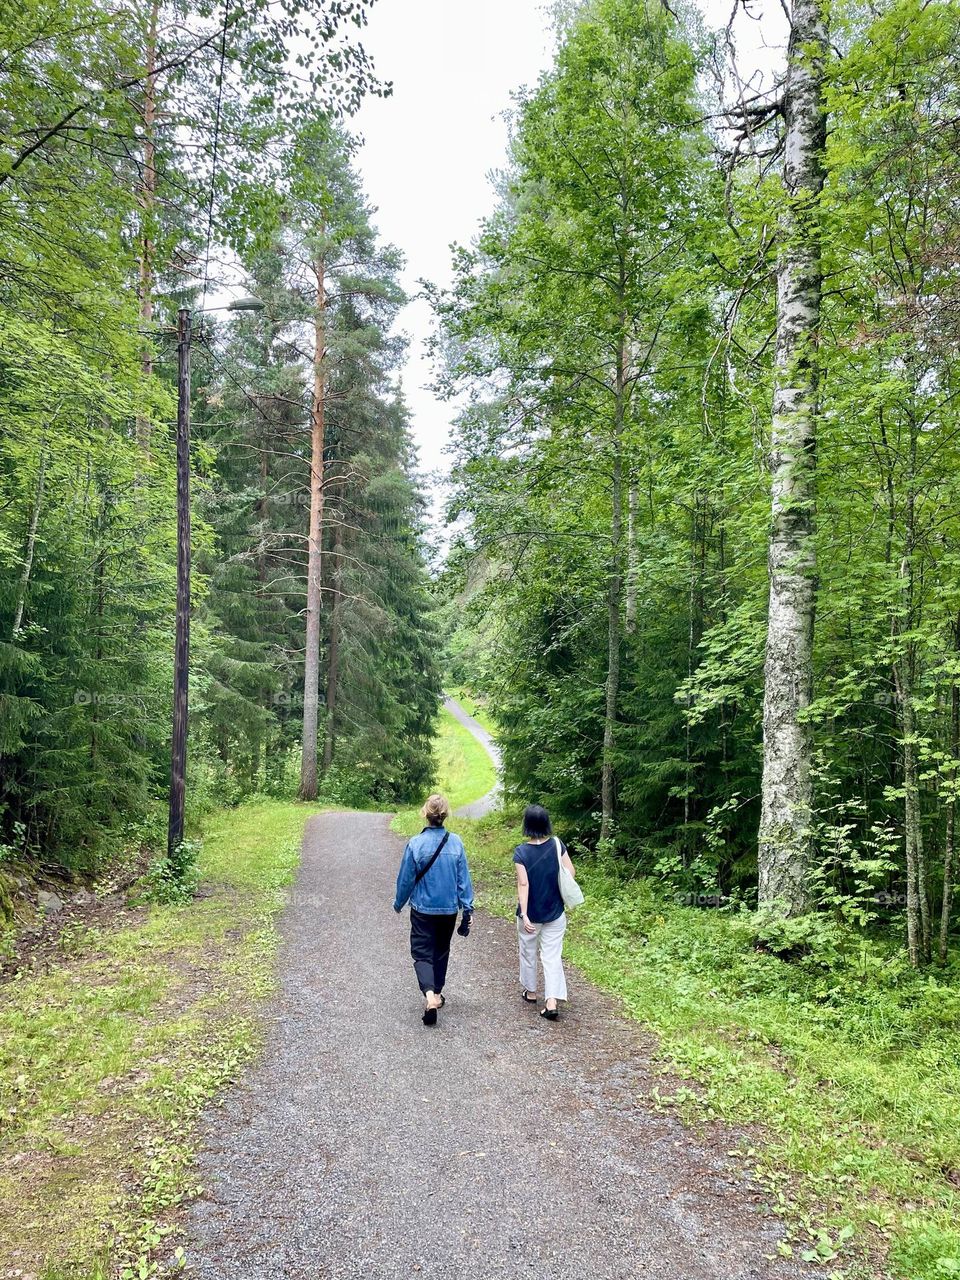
(430, 1017)
(550, 1014)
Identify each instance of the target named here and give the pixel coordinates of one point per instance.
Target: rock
(49, 903)
(83, 898)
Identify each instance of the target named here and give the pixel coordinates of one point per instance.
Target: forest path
(366, 1145)
(486, 804)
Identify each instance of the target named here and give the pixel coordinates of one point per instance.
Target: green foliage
(379, 648)
(622, 216)
(118, 188)
(174, 877)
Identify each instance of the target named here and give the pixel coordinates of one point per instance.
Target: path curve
(364, 1146)
(491, 801)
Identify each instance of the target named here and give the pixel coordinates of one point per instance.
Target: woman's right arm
(405, 879)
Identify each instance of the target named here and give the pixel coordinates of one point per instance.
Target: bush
(812, 938)
(174, 878)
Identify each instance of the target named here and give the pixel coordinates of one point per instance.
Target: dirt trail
(486, 804)
(493, 1145)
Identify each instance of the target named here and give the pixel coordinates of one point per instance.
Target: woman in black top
(541, 922)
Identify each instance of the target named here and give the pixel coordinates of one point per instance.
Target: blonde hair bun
(436, 810)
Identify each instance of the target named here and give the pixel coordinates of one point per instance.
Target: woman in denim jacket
(435, 880)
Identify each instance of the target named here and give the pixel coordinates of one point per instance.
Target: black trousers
(430, 947)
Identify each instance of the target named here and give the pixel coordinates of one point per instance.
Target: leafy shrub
(13, 851)
(174, 878)
(210, 786)
(812, 938)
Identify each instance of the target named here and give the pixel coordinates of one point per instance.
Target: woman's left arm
(464, 884)
(568, 862)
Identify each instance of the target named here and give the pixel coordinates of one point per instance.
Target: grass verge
(851, 1067)
(107, 1060)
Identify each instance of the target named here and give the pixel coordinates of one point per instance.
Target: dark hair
(536, 821)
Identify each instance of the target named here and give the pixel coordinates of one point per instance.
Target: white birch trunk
(784, 836)
(950, 841)
(27, 569)
(630, 611)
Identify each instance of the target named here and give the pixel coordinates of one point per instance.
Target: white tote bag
(570, 891)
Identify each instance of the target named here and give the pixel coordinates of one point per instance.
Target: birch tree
(786, 803)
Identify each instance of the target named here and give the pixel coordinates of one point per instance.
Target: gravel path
(486, 804)
(493, 1145)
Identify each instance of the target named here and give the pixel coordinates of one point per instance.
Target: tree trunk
(786, 807)
(27, 569)
(951, 836)
(630, 608)
(911, 811)
(148, 201)
(181, 653)
(333, 667)
(311, 666)
(698, 544)
(614, 592)
(905, 673)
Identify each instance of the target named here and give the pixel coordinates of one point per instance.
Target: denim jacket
(446, 888)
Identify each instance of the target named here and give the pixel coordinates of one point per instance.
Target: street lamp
(181, 652)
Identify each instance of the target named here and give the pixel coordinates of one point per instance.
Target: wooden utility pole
(181, 656)
(148, 201)
(311, 664)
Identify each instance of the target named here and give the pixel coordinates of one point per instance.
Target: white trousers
(548, 939)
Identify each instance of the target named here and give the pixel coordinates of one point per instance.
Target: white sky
(429, 148)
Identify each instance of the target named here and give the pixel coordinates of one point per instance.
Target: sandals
(550, 1014)
(431, 1011)
(526, 998)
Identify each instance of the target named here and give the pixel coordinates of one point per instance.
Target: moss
(8, 888)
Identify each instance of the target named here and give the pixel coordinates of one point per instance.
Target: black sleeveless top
(543, 871)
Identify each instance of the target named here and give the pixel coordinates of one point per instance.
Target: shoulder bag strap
(433, 857)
